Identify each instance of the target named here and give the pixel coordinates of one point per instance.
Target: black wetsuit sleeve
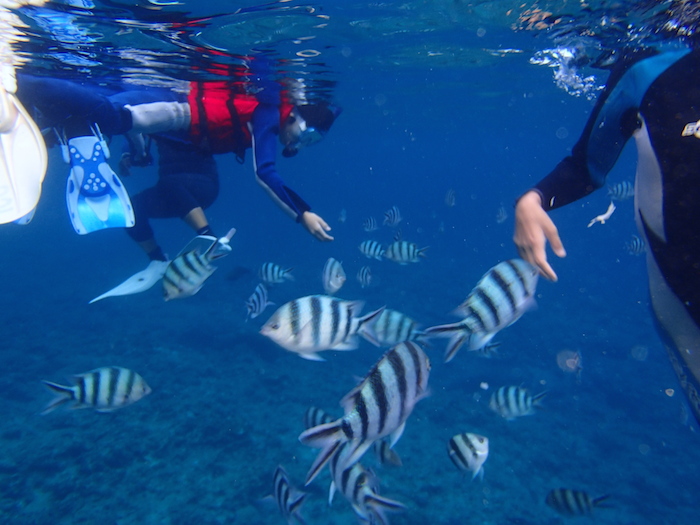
(609, 127)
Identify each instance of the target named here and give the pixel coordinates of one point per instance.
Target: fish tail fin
(63, 394)
(328, 437)
(421, 252)
(458, 333)
(295, 506)
(380, 505)
(366, 326)
(537, 400)
(599, 502)
(288, 274)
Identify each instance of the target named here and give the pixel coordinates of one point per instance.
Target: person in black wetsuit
(655, 98)
(189, 128)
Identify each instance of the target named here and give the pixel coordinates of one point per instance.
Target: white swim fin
(139, 282)
(23, 160)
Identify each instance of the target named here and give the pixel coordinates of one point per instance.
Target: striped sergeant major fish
(404, 252)
(636, 246)
(385, 455)
(370, 224)
(510, 402)
(186, 273)
(394, 327)
(333, 276)
(319, 322)
(360, 488)
(364, 276)
(392, 216)
(104, 389)
(376, 408)
(287, 497)
(568, 502)
(469, 452)
(257, 302)
(621, 191)
(272, 273)
(499, 299)
(372, 250)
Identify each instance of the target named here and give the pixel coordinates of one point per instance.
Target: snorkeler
(652, 97)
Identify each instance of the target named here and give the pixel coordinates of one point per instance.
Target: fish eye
(275, 326)
(481, 440)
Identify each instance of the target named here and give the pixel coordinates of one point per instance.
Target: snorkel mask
(309, 125)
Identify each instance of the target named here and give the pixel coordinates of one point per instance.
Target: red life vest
(220, 113)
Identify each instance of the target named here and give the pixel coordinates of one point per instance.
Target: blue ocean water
(227, 403)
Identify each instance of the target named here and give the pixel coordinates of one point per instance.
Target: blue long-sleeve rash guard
(264, 130)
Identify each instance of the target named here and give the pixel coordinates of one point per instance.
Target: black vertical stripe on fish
(316, 313)
(400, 372)
(112, 385)
(129, 384)
(359, 483)
(80, 382)
(412, 349)
(457, 451)
(344, 477)
(347, 429)
(522, 279)
(473, 314)
(348, 321)
(503, 285)
(361, 407)
(488, 302)
(169, 280)
(177, 270)
(380, 398)
(96, 387)
(294, 317)
(189, 261)
(335, 319)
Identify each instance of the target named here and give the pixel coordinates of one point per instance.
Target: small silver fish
(621, 191)
(510, 402)
(568, 502)
(394, 327)
(372, 250)
(287, 497)
(185, 275)
(333, 276)
(320, 322)
(364, 276)
(370, 224)
(392, 216)
(257, 302)
(361, 489)
(469, 452)
(404, 252)
(272, 273)
(104, 389)
(636, 246)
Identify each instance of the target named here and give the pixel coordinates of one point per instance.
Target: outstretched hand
(316, 226)
(533, 228)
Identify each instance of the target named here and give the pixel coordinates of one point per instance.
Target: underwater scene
(277, 359)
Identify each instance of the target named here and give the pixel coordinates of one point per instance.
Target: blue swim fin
(23, 160)
(95, 196)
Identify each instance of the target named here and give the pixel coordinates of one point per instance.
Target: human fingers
(552, 234)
